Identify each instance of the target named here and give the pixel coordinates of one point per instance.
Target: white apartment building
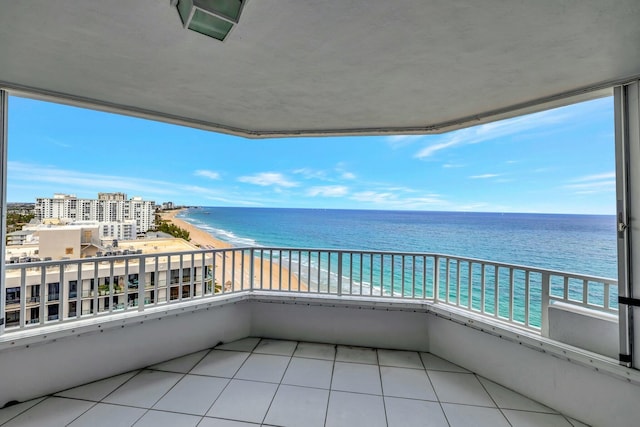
(85, 284)
(109, 207)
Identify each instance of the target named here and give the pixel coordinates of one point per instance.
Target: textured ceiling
(310, 67)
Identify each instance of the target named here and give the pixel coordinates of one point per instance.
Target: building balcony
(440, 333)
(285, 383)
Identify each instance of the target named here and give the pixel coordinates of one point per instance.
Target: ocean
(584, 244)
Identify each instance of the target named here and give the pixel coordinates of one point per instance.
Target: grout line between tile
(84, 412)
(384, 403)
(333, 368)
(28, 409)
(493, 400)
(230, 379)
(279, 384)
(435, 392)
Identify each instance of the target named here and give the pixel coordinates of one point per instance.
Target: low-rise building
(90, 279)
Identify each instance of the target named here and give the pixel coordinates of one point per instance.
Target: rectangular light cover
(229, 9)
(209, 25)
(213, 18)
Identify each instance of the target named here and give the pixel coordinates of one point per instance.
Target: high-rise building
(109, 207)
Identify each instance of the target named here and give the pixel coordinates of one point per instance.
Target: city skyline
(556, 161)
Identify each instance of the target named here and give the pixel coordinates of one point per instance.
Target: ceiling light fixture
(213, 18)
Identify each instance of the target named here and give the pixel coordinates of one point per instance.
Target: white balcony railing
(514, 294)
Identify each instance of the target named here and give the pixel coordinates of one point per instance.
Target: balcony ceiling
(305, 67)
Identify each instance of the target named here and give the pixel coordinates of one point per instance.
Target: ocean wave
(221, 234)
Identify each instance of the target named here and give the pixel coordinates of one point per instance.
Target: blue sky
(557, 161)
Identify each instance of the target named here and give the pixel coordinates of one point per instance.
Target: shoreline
(270, 272)
(197, 236)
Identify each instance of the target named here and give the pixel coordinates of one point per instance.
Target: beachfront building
(108, 207)
(74, 289)
(273, 68)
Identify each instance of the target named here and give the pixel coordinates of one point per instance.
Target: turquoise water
(583, 244)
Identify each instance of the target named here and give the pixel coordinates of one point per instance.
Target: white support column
(627, 125)
(4, 111)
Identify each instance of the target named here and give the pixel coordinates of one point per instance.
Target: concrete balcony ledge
(69, 354)
(493, 326)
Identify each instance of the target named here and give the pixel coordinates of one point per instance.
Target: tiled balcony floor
(286, 383)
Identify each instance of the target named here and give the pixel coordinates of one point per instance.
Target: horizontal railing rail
(68, 290)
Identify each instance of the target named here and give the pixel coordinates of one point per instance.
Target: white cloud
(43, 180)
(72, 181)
(591, 184)
(493, 130)
(594, 186)
(397, 141)
(452, 165)
(328, 191)
(596, 177)
(429, 150)
(265, 179)
(207, 174)
(485, 176)
(348, 175)
(309, 173)
(390, 200)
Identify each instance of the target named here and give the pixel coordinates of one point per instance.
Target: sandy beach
(228, 271)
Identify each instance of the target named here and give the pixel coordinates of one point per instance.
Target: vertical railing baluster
(242, 272)
(167, 282)
(371, 274)
(527, 285)
(393, 275)
(458, 287)
(319, 268)
(79, 291)
(496, 290)
(23, 297)
(252, 259)
(382, 275)
(156, 279)
(512, 294)
(447, 281)
(233, 270)
(436, 278)
(96, 285)
(350, 273)
(403, 266)
(308, 271)
(544, 306)
(180, 277)
(62, 295)
(469, 285)
(424, 277)
(339, 284)
(414, 273)
(300, 271)
(280, 270)
(361, 258)
(260, 260)
(483, 289)
(142, 282)
(203, 274)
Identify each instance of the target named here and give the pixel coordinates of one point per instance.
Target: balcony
(499, 322)
(279, 382)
